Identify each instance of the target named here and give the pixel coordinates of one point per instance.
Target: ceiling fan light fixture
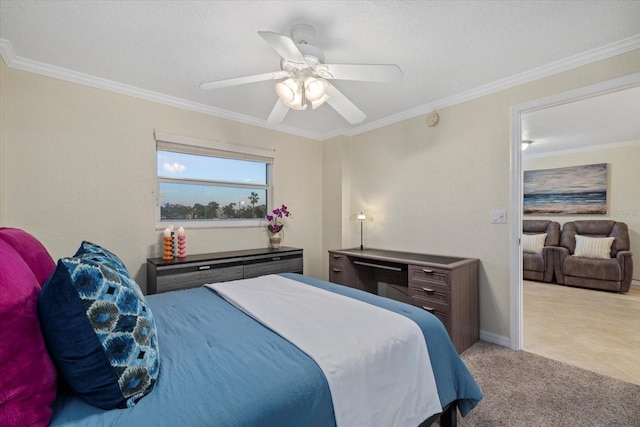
(315, 89)
(291, 93)
(287, 89)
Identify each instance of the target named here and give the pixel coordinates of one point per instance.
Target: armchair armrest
(625, 258)
(559, 254)
(547, 255)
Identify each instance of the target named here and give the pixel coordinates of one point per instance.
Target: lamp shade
(290, 92)
(315, 89)
(286, 90)
(361, 217)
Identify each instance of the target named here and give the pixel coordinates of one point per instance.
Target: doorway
(516, 196)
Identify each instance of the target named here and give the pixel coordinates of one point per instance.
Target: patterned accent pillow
(593, 247)
(99, 254)
(533, 243)
(100, 332)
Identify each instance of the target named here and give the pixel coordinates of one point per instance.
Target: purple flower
(275, 224)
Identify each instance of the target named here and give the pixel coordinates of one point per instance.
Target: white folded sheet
(376, 361)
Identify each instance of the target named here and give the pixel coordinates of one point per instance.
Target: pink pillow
(27, 374)
(31, 251)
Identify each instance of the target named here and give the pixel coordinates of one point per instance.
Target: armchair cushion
(593, 247)
(608, 269)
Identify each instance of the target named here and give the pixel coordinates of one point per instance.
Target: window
(211, 184)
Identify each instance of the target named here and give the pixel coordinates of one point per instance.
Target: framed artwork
(566, 191)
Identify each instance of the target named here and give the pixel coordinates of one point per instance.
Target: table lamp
(362, 218)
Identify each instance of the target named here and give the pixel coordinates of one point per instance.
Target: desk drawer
(419, 275)
(436, 294)
(337, 261)
(338, 269)
(439, 310)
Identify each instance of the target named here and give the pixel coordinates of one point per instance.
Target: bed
(218, 366)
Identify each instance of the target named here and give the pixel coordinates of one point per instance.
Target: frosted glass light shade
(286, 90)
(290, 93)
(315, 89)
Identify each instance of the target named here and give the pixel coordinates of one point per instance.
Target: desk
(443, 285)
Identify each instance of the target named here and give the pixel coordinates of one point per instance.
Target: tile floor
(595, 330)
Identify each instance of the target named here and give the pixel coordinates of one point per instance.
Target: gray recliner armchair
(539, 266)
(611, 274)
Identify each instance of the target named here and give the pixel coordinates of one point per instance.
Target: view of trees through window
(252, 207)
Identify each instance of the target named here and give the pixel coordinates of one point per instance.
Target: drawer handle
(426, 270)
(204, 267)
(336, 270)
(336, 256)
(429, 291)
(277, 258)
(429, 309)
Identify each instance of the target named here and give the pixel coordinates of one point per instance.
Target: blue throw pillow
(98, 253)
(100, 332)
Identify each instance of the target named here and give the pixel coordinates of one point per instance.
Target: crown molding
(584, 58)
(575, 61)
(13, 61)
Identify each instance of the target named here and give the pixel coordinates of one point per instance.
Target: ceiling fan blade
(363, 72)
(285, 47)
(343, 106)
(243, 80)
(278, 113)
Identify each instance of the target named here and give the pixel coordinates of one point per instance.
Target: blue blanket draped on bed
(220, 367)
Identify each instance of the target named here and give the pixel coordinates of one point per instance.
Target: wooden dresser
(443, 285)
(196, 270)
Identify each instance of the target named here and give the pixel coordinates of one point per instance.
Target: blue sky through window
(205, 168)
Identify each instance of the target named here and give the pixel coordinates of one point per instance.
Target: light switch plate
(499, 217)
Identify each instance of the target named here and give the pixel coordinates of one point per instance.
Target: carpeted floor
(524, 389)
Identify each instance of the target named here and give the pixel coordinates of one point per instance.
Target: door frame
(516, 196)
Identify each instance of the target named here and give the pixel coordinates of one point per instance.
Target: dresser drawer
(192, 275)
(261, 265)
(419, 275)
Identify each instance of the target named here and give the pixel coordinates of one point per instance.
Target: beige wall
(432, 189)
(80, 164)
(623, 192)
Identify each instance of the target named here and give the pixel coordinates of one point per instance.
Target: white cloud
(174, 167)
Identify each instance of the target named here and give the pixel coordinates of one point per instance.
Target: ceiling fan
(305, 76)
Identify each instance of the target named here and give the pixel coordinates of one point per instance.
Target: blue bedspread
(219, 367)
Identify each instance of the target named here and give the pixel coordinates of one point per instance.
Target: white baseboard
(500, 340)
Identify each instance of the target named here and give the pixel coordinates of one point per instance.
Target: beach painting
(566, 191)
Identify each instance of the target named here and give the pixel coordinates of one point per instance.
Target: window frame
(216, 149)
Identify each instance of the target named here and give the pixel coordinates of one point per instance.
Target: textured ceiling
(449, 51)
